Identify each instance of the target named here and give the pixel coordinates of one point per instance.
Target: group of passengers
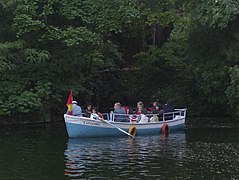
(90, 111)
(157, 110)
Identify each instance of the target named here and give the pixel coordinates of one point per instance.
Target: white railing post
(112, 117)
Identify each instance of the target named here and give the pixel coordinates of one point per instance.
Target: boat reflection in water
(104, 158)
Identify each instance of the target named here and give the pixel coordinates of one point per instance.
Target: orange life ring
(132, 131)
(165, 129)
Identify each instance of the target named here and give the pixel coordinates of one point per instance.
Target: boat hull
(78, 127)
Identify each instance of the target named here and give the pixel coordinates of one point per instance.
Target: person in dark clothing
(88, 110)
(157, 109)
(167, 108)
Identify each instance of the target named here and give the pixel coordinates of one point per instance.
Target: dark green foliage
(214, 14)
(107, 51)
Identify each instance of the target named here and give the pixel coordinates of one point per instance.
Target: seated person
(76, 110)
(158, 109)
(167, 108)
(140, 108)
(155, 107)
(88, 110)
(119, 113)
(96, 114)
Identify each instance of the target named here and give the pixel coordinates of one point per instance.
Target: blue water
(45, 152)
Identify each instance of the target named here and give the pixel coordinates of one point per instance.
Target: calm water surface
(45, 152)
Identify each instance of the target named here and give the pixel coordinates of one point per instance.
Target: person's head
(74, 102)
(140, 104)
(95, 109)
(158, 106)
(155, 103)
(89, 106)
(117, 105)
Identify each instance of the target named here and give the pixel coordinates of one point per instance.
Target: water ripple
(44, 152)
(153, 157)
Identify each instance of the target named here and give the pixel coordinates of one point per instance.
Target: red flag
(69, 103)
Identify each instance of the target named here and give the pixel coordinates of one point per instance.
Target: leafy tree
(107, 51)
(210, 39)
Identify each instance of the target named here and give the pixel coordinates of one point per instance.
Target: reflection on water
(122, 157)
(45, 152)
(194, 154)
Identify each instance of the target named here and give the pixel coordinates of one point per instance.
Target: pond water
(45, 152)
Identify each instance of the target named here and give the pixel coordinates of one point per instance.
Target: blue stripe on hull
(80, 130)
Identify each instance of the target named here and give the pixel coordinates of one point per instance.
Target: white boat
(134, 125)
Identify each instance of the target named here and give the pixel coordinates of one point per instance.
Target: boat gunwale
(78, 119)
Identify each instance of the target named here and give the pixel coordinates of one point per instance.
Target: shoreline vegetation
(117, 51)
